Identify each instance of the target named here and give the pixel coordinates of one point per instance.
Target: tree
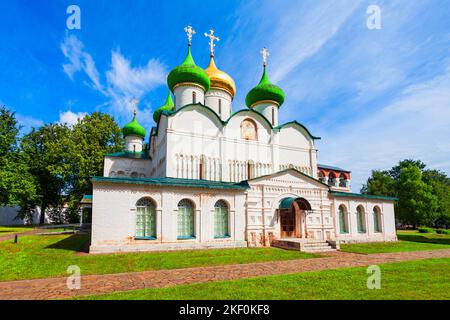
(417, 205)
(9, 129)
(40, 155)
(17, 185)
(83, 149)
(380, 184)
(441, 189)
(396, 170)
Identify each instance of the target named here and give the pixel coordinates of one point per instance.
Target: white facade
(220, 101)
(208, 169)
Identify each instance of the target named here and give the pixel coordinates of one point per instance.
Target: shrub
(426, 230)
(442, 231)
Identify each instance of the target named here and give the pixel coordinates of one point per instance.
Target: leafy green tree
(441, 189)
(396, 170)
(417, 205)
(17, 185)
(381, 184)
(9, 129)
(41, 155)
(83, 149)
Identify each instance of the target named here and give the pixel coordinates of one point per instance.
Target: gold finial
(189, 31)
(265, 54)
(212, 38)
(135, 103)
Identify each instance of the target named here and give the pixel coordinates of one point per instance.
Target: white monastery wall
(114, 221)
(388, 232)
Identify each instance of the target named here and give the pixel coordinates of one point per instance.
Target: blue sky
(374, 96)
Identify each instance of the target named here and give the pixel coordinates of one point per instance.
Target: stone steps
(305, 245)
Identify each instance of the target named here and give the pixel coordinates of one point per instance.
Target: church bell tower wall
(188, 94)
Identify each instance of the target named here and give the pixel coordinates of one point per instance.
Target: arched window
(321, 177)
(146, 219)
(377, 219)
(186, 228)
(343, 220)
(249, 130)
(332, 179)
(342, 181)
(194, 97)
(134, 174)
(360, 219)
(121, 174)
(221, 219)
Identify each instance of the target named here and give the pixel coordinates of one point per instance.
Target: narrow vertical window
(194, 97)
(185, 220)
(145, 219)
(360, 219)
(221, 219)
(377, 219)
(220, 106)
(273, 116)
(343, 220)
(201, 168)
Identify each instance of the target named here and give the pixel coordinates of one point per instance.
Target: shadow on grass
(423, 238)
(76, 243)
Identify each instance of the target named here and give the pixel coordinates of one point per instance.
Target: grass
(38, 256)
(408, 241)
(7, 230)
(421, 279)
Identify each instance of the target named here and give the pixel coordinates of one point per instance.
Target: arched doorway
(292, 214)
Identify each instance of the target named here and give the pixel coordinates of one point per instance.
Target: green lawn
(422, 279)
(408, 241)
(7, 230)
(38, 256)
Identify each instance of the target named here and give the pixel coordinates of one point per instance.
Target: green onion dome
(134, 128)
(168, 106)
(265, 91)
(189, 72)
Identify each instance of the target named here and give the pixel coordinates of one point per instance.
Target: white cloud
(126, 80)
(70, 118)
(79, 60)
(415, 125)
(123, 81)
(300, 38)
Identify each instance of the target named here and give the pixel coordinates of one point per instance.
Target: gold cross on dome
(189, 31)
(265, 54)
(212, 38)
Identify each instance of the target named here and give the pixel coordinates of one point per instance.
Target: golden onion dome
(220, 79)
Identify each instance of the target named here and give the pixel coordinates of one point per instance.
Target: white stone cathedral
(211, 177)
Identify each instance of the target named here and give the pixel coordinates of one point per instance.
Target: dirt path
(52, 288)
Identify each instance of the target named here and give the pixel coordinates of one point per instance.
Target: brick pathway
(53, 288)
